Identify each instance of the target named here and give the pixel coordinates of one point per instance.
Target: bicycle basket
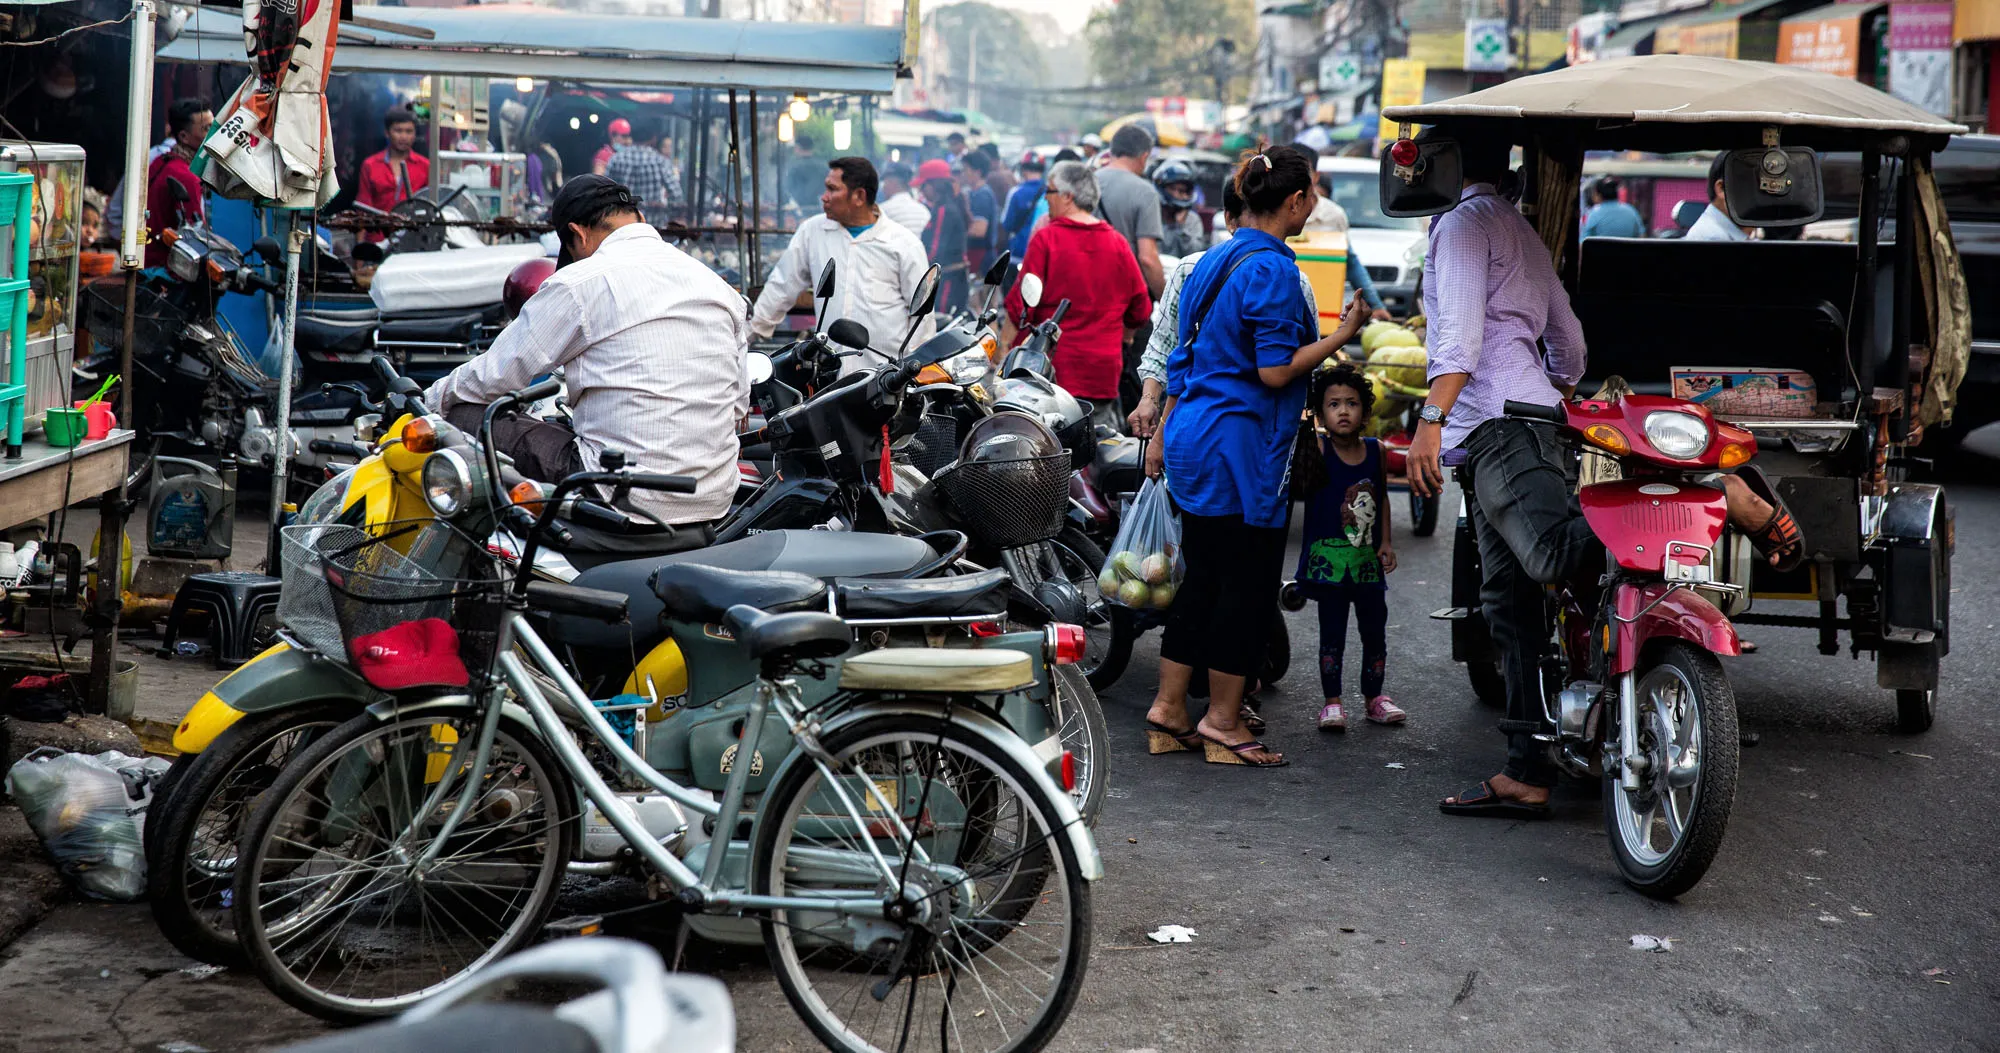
(350, 595)
(1013, 502)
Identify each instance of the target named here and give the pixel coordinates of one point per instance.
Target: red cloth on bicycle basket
(422, 653)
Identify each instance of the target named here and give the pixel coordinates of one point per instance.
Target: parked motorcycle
(1632, 691)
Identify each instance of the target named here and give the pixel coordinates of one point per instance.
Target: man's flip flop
(1481, 802)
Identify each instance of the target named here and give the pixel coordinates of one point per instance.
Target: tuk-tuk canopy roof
(510, 40)
(1668, 103)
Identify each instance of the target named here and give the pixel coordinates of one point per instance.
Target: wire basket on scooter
(1011, 502)
(934, 445)
(393, 618)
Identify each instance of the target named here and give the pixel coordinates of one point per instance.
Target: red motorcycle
(1632, 692)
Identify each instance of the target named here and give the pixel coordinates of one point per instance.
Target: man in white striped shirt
(651, 344)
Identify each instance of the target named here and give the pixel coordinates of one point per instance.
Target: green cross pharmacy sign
(1486, 45)
(1339, 71)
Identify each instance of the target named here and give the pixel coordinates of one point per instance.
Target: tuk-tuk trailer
(1836, 355)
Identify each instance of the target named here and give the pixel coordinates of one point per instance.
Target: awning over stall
(511, 41)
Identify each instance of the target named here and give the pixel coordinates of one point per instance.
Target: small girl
(1346, 554)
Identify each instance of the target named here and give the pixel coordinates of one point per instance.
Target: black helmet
(1170, 174)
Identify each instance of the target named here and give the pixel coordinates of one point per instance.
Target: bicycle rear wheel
(990, 939)
(335, 912)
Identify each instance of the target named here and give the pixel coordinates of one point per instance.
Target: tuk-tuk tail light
(1609, 439)
(1404, 152)
(1732, 455)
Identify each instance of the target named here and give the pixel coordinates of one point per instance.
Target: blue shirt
(855, 232)
(1613, 219)
(1020, 218)
(1229, 440)
(981, 203)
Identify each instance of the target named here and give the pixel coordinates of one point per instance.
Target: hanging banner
(1402, 85)
(272, 141)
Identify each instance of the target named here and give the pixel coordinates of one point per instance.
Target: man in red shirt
(397, 173)
(173, 192)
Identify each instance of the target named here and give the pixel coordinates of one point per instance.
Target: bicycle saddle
(798, 636)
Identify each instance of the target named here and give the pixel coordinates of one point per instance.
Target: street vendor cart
(1836, 356)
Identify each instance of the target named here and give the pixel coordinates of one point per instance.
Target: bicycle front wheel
(989, 929)
(336, 907)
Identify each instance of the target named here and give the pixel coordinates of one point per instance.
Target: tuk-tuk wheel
(1916, 709)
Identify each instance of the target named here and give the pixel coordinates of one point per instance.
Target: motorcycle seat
(453, 326)
(690, 592)
(590, 547)
(968, 594)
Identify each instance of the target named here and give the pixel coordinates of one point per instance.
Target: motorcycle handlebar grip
(754, 436)
(559, 598)
(393, 381)
(537, 392)
(1535, 411)
(668, 484)
(1061, 309)
(335, 446)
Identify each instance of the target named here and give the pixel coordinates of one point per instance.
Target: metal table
(45, 479)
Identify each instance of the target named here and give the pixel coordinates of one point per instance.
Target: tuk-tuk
(1837, 356)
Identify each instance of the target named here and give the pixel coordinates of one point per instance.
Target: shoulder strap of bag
(1208, 299)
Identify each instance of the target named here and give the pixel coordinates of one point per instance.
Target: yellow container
(1323, 257)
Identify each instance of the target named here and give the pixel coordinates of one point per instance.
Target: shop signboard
(1402, 85)
(1829, 45)
(1715, 39)
(1487, 49)
(1920, 55)
(1339, 71)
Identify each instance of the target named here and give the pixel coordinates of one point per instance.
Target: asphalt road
(1851, 908)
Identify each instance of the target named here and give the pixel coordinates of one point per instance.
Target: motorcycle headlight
(447, 482)
(969, 366)
(1682, 436)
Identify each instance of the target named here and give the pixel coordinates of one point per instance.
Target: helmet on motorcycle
(1007, 436)
(1025, 391)
(1174, 179)
(523, 281)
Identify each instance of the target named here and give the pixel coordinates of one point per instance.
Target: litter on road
(1172, 934)
(1655, 944)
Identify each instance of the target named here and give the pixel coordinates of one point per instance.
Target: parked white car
(1391, 249)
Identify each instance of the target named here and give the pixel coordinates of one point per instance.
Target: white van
(1391, 249)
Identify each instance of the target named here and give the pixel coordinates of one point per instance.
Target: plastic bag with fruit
(1145, 565)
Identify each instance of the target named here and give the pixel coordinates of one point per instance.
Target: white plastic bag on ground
(1144, 566)
(90, 812)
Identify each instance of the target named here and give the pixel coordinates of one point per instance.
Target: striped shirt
(651, 345)
(1489, 294)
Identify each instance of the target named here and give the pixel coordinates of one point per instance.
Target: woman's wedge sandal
(1223, 753)
(1163, 739)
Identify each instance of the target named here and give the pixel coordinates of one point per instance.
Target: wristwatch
(1431, 414)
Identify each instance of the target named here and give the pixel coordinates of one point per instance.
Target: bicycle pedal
(574, 927)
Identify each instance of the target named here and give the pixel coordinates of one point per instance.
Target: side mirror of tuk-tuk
(1421, 178)
(1031, 289)
(1772, 186)
(824, 290)
(926, 294)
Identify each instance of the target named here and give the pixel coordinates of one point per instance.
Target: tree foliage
(1010, 63)
(1142, 48)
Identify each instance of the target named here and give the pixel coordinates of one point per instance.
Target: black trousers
(1531, 534)
(542, 450)
(1221, 618)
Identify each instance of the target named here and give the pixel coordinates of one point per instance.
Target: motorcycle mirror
(178, 191)
(760, 368)
(926, 294)
(269, 250)
(997, 273)
(848, 333)
(824, 289)
(1031, 289)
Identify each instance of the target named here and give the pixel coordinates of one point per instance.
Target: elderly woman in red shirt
(1083, 259)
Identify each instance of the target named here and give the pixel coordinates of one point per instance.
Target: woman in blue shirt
(1235, 394)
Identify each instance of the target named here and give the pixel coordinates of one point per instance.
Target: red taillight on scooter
(1404, 152)
(1067, 644)
(1068, 771)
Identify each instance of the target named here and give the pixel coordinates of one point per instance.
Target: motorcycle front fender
(1657, 610)
(1000, 738)
(281, 676)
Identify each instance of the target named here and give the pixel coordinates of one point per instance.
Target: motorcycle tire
(1277, 653)
(1117, 624)
(1694, 677)
(219, 787)
(1489, 684)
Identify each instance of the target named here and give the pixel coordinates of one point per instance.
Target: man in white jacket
(877, 265)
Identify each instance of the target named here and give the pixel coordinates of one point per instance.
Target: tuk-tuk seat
(1649, 305)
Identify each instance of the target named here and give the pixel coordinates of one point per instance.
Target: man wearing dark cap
(651, 347)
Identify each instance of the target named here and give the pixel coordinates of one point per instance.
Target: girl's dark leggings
(1371, 609)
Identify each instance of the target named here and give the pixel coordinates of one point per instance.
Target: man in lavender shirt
(1490, 295)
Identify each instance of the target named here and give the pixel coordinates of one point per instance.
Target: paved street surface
(1852, 907)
